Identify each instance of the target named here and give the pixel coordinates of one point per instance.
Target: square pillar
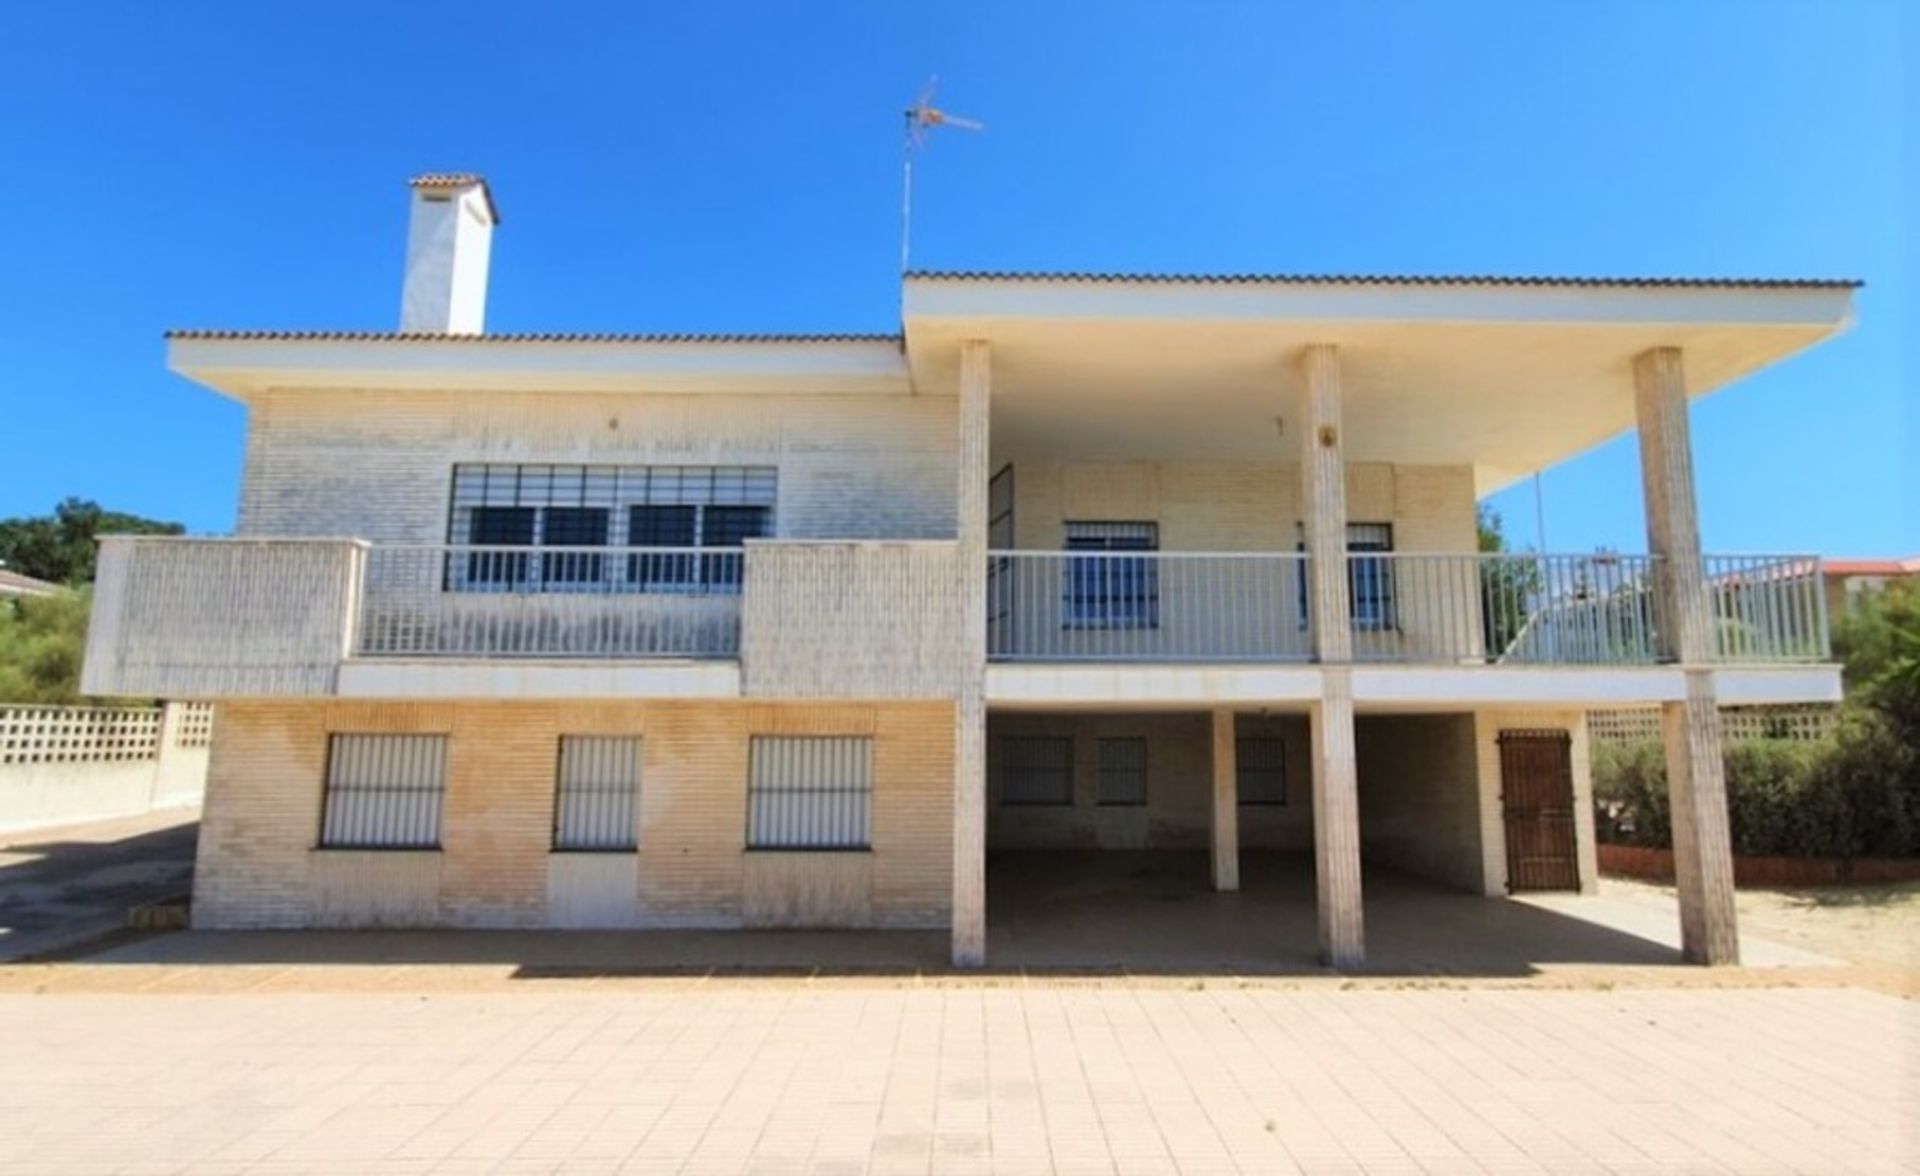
(1226, 804)
(1696, 771)
(1336, 825)
(1321, 445)
(970, 706)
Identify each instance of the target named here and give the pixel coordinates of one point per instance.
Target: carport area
(1102, 854)
(1156, 913)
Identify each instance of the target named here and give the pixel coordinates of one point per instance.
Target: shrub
(1849, 795)
(1630, 794)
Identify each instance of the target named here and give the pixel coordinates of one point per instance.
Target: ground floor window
(1260, 770)
(597, 794)
(810, 792)
(1036, 769)
(1123, 771)
(384, 792)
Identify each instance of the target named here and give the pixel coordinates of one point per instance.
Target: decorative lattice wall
(193, 726)
(1736, 723)
(78, 734)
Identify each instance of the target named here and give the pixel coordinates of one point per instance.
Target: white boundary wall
(60, 765)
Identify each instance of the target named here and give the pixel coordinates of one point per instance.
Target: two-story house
(653, 630)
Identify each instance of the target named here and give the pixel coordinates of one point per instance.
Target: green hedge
(1850, 795)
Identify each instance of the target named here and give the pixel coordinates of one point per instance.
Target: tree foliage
(42, 639)
(60, 547)
(1507, 587)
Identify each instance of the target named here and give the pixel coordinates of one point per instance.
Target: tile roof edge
(1376, 279)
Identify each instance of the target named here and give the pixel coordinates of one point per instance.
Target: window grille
(1123, 771)
(1111, 591)
(556, 506)
(1369, 581)
(597, 795)
(384, 792)
(810, 792)
(1036, 769)
(1260, 767)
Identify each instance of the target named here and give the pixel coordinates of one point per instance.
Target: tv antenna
(922, 118)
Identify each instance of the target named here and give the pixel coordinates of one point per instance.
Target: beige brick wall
(1237, 506)
(258, 866)
(1179, 809)
(1420, 796)
(378, 464)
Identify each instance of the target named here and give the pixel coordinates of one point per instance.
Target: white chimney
(449, 236)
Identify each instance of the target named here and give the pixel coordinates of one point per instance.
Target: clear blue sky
(735, 166)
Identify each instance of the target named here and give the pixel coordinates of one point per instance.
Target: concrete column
(970, 707)
(1696, 772)
(1336, 824)
(1321, 444)
(1321, 452)
(1226, 804)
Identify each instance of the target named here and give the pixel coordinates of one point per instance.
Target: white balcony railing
(1406, 608)
(445, 600)
(1506, 609)
(1145, 606)
(1768, 608)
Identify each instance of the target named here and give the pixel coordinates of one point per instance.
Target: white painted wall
(449, 246)
(378, 465)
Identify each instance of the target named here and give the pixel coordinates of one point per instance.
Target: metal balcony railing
(1146, 606)
(1466, 609)
(1768, 608)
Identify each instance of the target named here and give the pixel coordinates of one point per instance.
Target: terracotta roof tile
(1376, 280)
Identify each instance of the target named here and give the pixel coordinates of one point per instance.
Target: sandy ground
(1873, 926)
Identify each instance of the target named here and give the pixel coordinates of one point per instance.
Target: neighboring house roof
(15, 584)
(1382, 280)
(1872, 567)
(540, 336)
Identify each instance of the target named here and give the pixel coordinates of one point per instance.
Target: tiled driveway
(875, 1075)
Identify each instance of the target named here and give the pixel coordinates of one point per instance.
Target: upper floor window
(1111, 591)
(563, 513)
(1369, 580)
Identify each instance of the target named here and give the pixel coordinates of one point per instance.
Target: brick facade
(259, 867)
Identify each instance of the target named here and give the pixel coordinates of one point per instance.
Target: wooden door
(1536, 790)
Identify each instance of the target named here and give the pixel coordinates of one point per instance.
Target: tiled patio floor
(786, 1076)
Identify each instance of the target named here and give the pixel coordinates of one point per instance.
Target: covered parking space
(1103, 853)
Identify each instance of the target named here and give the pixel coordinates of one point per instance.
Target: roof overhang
(244, 364)
(1505, 375)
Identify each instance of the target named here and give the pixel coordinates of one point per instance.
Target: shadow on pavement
(1062, 913)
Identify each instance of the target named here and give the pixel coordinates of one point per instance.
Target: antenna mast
(921, 117)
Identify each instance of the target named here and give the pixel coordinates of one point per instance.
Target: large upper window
(692, 521)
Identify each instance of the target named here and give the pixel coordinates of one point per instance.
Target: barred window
(596, 798)
(1369, 581)
(556, 509)
(1260, 768)
(1104, 591)
(810, 792)
(384, 792)
(1036, 769)
(1123, 771)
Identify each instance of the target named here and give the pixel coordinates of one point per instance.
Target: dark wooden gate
(1536, 787)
